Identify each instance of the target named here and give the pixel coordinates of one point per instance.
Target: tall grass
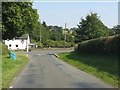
(102, 66)
(11, 68)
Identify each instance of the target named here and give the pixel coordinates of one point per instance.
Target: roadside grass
(104, 67)
(0, 65)
(10, 68)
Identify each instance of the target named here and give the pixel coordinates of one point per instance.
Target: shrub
(103, 45)
(40, 45)
(59, 44)
(5, 50)
(112, 44)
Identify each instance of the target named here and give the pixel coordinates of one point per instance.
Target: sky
(59, 13)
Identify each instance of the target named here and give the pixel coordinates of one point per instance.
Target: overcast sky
(57, 13)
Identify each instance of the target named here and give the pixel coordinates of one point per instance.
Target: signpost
(65, 32)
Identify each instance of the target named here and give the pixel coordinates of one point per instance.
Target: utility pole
(40, 29)
(40, 33)
(28, 42)
(65, 32)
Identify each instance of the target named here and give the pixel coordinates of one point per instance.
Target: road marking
(40, 54)
(11, 87)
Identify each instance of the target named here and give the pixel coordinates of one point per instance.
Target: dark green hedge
(40, 45)
(59, 44)
(5, 50)
(103, 45)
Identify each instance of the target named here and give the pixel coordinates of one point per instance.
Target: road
(44, 70)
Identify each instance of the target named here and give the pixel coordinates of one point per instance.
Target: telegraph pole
(28, 42)
(65, 32)
(40, 33)
(40, 30)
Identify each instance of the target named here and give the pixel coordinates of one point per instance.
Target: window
(16, 45)
(9, 45)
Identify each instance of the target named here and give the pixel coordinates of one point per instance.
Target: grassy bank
(103, 67)
(11, 68)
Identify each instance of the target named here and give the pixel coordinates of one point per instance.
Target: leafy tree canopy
(18, 18)
(91, 27)
(116, 29)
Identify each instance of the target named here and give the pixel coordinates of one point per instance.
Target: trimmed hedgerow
(59, 44)
(103, 45)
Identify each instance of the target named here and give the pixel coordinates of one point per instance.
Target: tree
(74, 34)
(18, 18)
(69, 38)
(91, 27)
(36, 33)
(56, 33)
(116, 29)
(44, 34)
(44, 24)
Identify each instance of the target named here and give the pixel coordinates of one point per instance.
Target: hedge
(58, 44)
(40, 45)
(103, 45)
(5, 50)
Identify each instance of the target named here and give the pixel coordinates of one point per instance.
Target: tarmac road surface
(44, 70)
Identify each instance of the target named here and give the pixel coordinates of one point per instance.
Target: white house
(18, 43)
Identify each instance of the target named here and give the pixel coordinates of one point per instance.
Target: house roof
(24, 36)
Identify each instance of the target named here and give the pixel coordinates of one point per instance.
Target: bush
(112, 44)
(59, 44)
(40, 45)
(5, 50)
(93, 46)
(103, 45)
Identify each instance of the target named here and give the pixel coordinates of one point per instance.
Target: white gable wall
(16, 42)
(28, 40)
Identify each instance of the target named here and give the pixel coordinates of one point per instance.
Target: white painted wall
(21, 45)
(15, 42)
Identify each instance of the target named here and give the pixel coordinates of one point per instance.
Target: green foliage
(5, 50)
(69, 38)
(59, 44)
(40, 45)
(103, 45)
(44, 34)
(112, 44)
(32, 40)
(111, 32)
(56, 33)
(44, 24)
(116, 29)
(91, 27)
(18, 18)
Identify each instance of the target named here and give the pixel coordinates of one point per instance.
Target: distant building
(18, 43)
(33, 45)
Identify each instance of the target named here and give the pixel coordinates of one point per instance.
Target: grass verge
(11, 68)
(103, 67)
